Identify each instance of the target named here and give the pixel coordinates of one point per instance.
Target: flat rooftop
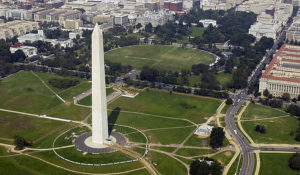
(285, 66)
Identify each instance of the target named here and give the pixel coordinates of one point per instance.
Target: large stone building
(57, 15)
(16, 28)
(282, 75)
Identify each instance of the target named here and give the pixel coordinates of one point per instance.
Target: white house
(28, 50)
(206, 22)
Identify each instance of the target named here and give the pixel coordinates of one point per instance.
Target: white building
(204, 129)
(73, 35)
(207, 22)
(258, 30)
(61, 42)
(28, 50)
(282, 74)
(31, 37)
(155, 18)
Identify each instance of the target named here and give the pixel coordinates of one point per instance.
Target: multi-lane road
(247, 149)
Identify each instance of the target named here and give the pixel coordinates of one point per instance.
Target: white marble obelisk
(99, 106)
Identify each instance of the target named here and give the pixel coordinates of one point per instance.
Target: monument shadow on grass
(112, 118)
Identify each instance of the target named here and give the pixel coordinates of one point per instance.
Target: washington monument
(99, 106)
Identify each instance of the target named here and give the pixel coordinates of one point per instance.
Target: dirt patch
(6, 139)
(3, 120)
(201, 136)
(228, 154)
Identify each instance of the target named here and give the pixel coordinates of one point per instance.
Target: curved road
(246, 148)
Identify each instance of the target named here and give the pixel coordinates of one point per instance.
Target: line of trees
(63, 83)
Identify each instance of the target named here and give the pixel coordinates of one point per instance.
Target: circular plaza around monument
(82, 144)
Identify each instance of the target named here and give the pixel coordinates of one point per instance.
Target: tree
(229, 101)
(266, 93)
(139, 25)
(294, 161)
(260, 128)
(148, 28)
(294, 110)
(276, 103)
(216, 168)
(20, 142)
(206, 166)
(286, 97)
(217, 137)
(18, 56)
(199, 168)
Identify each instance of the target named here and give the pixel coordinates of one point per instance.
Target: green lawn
(88, 100)
(69, 93)
(277, 129)
(161, 103)
(166, 149)
(194, 152)
(257, 111)
(223, 78)
(224, 157)
(169, 136)
(24, 92)
(51, 157)
(74, 155)
(160, 57)
(195, 80)
(26, 165)
(233, 169)
(196, 141)
(31, 128)
(197, 31)
(144, 121)
(224, 110)
(167, 165)
(276, 164)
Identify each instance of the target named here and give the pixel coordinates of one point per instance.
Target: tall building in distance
(99, 106)
(282, 75)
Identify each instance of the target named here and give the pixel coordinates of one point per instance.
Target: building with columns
(282, 75)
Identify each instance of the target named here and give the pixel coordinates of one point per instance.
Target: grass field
(24, 165)
(234, 167)
(163, 104)
(277, 129)
(161, 116)
(74, 155)
(197, 31)
(195, 80)
(194, 152)
(166, 164)
(24, 92)
(224, 110)
(223, 78)
(51, 157)
(224, 157)
(257, 111)
(196, 141)
(276, 164)
(15, 124)
(160, 57)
